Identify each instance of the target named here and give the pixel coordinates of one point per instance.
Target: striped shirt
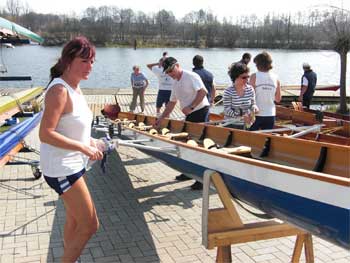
(235, 105)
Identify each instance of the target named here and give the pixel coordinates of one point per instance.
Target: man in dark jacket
(206, 76)
(308, 84)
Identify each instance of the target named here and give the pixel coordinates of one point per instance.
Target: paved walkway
(145, 216)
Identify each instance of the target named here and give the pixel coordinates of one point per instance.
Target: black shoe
(182, 177)
(197, 186)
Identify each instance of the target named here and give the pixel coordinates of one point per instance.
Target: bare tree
(14, 8)
(337, 27)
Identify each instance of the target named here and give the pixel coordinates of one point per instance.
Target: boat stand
(222, 227)
(13, 159)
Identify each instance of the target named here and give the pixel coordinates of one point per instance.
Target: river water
(113, 65)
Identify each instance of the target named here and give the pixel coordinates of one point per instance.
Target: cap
(169, 64)
(306, 65)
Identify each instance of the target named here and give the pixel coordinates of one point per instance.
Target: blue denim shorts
(64, 183)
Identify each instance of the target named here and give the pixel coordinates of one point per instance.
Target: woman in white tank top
(267, 91)
(66, 144)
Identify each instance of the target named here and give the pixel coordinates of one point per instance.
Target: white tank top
(55, 161)
(265, 90)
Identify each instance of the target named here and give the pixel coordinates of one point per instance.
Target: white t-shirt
(185, 90)
(265, 90)
(165, 82)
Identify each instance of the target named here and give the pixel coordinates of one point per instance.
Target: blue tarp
(10, 138)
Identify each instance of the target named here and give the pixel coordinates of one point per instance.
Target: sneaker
(197, 186)
(182, 177)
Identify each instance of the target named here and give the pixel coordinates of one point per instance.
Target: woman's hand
(248, 119)
(92, 152)
(255, 109)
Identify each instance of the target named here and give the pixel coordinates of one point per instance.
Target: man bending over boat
(189, 90)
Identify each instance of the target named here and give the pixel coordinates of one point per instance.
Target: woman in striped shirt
(239, 99)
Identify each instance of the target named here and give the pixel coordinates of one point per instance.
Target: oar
(312, 129)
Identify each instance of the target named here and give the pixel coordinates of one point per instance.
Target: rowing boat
(316, 117)
(11, 141)
(11, 104)
(318, 87)
(302, 182)
(13, 30)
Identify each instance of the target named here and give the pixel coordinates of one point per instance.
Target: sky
(221, 8)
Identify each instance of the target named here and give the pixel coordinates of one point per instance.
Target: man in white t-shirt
(164, 86)
(189, 90)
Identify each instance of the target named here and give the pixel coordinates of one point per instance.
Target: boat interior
(333, 126)
(321, 157)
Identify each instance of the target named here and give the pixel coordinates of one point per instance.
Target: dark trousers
(200, 115)
(307, 101)
(263, 123)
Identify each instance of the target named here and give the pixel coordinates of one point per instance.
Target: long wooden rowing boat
(303, 182)
(11, 104)
(318, 87)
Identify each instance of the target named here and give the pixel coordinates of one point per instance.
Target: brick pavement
(145, 216)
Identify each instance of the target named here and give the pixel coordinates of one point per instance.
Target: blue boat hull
(326, 221)
(10, 138)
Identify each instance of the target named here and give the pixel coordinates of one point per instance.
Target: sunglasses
(245, 77)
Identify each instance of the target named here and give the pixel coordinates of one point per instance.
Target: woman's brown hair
(77, 47)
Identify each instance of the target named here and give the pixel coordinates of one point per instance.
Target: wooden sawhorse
(222, 227)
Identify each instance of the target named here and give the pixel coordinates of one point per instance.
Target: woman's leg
(69, 228)
(80, 208)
